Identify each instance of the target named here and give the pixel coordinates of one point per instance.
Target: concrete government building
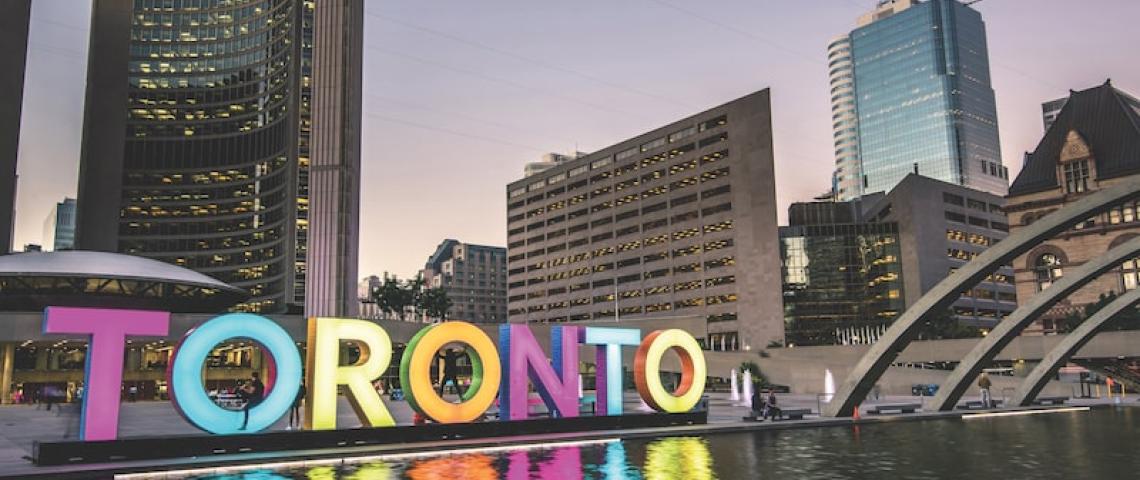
(224, 137)
(680, 220)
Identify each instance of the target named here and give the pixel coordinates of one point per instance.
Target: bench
(1051, 400)
(785, 414)
(793, 413)
(978, 405)
(895, 408)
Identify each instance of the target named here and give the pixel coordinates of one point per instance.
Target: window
(673, 137)
(1076, 176)
(1131, 272)
(1047, 270)
(624, 154)
(657, 142)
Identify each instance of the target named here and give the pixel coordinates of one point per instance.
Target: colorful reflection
(564, 462)
(686, 458)
(679, 457)
(461, 467)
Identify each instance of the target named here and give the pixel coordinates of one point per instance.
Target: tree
(752, 367)
(943, 325)
(435, 303)
(1127, 320)
(393, 297)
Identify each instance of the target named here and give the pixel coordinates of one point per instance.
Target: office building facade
(475, 278)
(850, 268)
(677, 221)
(59, 226)
(14, 25)
(910, 93)
(1093, 143)
(941, 227)
(199, 139)
(842, 277)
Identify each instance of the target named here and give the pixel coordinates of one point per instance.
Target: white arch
(984, 352)
(869, 368)
(1043, 372)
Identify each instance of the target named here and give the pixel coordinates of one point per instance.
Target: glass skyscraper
(910, 92)
(842, 276)
(210, 166)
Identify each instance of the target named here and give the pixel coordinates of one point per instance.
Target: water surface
(1073, 445)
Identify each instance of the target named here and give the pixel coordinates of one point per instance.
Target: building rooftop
(34, 280)
(1102, 117)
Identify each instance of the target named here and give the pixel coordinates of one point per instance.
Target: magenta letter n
(523, 359)
(103, 380)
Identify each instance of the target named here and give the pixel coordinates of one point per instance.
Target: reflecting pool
(1090, 444)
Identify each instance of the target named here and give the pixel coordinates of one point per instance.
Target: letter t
(609, 372)
(103, 380)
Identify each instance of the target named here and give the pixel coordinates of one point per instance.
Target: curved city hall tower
(196, 143)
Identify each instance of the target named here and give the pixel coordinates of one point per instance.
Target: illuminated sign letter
(325, 373)
(558, 386)
(415, 372)
(185, 373)
(647, 371)
(609, 372)
(104, 376)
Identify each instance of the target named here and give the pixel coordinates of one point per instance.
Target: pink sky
(459, 95)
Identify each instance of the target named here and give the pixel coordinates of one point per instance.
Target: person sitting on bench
(770, 408)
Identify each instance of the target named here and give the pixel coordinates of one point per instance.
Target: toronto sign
(501, 371)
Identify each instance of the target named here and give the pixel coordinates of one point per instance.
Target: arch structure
(869, 368)
(1004, 332)
(1073, 342)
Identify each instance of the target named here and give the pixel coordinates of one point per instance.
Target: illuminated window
(1047, 270)
(1131, 273)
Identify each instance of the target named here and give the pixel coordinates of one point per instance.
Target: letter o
(184, 375)
(415, 372)
(647, 371)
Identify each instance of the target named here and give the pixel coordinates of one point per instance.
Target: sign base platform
(182, 446)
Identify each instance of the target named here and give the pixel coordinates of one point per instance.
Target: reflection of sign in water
(504, 370)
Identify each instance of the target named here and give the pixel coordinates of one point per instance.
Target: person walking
(450, 359)
(295, 410)
(757, 404)
(254, 393)
(984, 384)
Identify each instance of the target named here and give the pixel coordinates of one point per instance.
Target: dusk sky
(461, 94)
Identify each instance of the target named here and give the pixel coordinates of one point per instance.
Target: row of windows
(971, 238)
(988, 294)
(631, 310)
(626, 246)
(607, 234)
(976, 221)
(604, 185)
(625, 294)
(657, 143)
(677, 268)
(961, 201)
